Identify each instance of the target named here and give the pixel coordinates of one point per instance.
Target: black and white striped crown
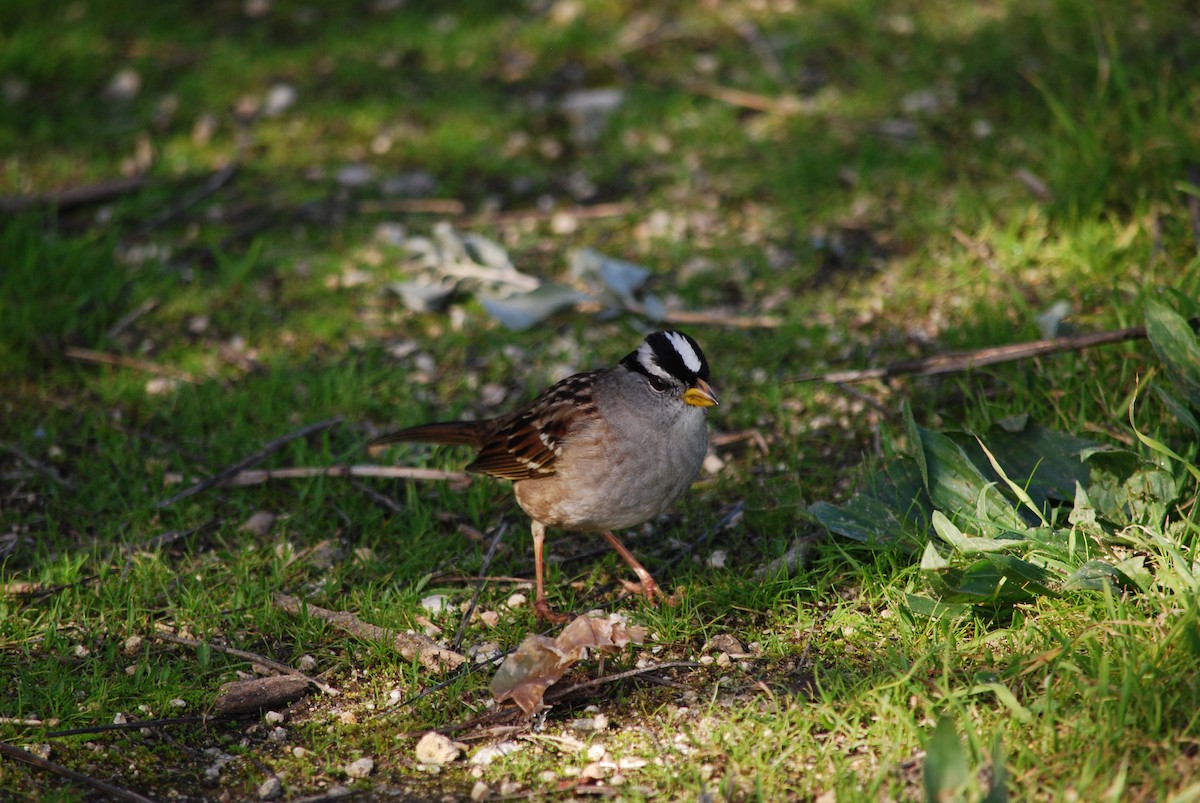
(669, 355)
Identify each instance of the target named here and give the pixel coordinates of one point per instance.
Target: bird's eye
(659, 384)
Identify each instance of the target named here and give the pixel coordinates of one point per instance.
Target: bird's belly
(607, 497)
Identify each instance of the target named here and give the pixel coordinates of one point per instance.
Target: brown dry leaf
(540, 661)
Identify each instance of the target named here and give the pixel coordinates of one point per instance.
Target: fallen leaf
(540, 662)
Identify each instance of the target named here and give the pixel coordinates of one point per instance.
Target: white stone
(361, 768)
(434, 748)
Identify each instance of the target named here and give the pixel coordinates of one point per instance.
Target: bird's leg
(646, 585)
(540, 607)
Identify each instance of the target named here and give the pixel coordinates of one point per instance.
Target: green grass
(886, 219)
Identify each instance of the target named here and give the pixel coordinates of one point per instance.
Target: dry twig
(304, 472)
(47, 471)
(103, 358)
(25, 757)
(480, 583)
(786, 105)
(957, 361)
(409, 645)
(261, 660)
(70, 197)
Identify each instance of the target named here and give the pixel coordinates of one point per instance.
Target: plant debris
(410, 645)
(540, 661)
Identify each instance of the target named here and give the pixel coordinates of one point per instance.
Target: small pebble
(486, 755)
(516, 600)
(259, 524)
(480, 791)
(270, 789)
(42, 750)
(361, 768)
(435, 603)
(434, 748)
(726, 642)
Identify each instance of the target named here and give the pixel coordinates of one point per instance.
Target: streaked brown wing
(527, 445)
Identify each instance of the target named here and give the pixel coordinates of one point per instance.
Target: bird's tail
(466, 433)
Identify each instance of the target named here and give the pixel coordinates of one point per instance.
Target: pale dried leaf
(520, 311)
(540, 661)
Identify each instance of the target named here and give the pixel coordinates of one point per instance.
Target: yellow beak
(700, 395)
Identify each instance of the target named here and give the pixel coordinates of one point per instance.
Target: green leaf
(968, 545)
(946, 770)
(914, 442)
(1178, 409)
(994, 580)
(931, 559)
(957, 487)
(1176, 345)
(934, 609)
(1096, 575)
(1047, 464)
(1006, 698)
(862, 518)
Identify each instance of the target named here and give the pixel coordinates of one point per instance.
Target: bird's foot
(543, 611)
(650, 590)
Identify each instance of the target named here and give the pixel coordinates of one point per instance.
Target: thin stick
(526, 216)
(257, 477)
(766, 54)
(480, 583)
(786, 105)
(254, 459)
(473, 578)
(731, 517)
(383, 500)
(957, 361)
(416, 206)
(25, 757)
(74, 196)
(262, 660)
(171, 536)
(164, 539)
(49, 472)
(211, 186)
(124, 322)
(102, 358)
(558, 694)
(512, 712)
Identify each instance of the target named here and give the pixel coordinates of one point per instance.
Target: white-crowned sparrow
(599, 451)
